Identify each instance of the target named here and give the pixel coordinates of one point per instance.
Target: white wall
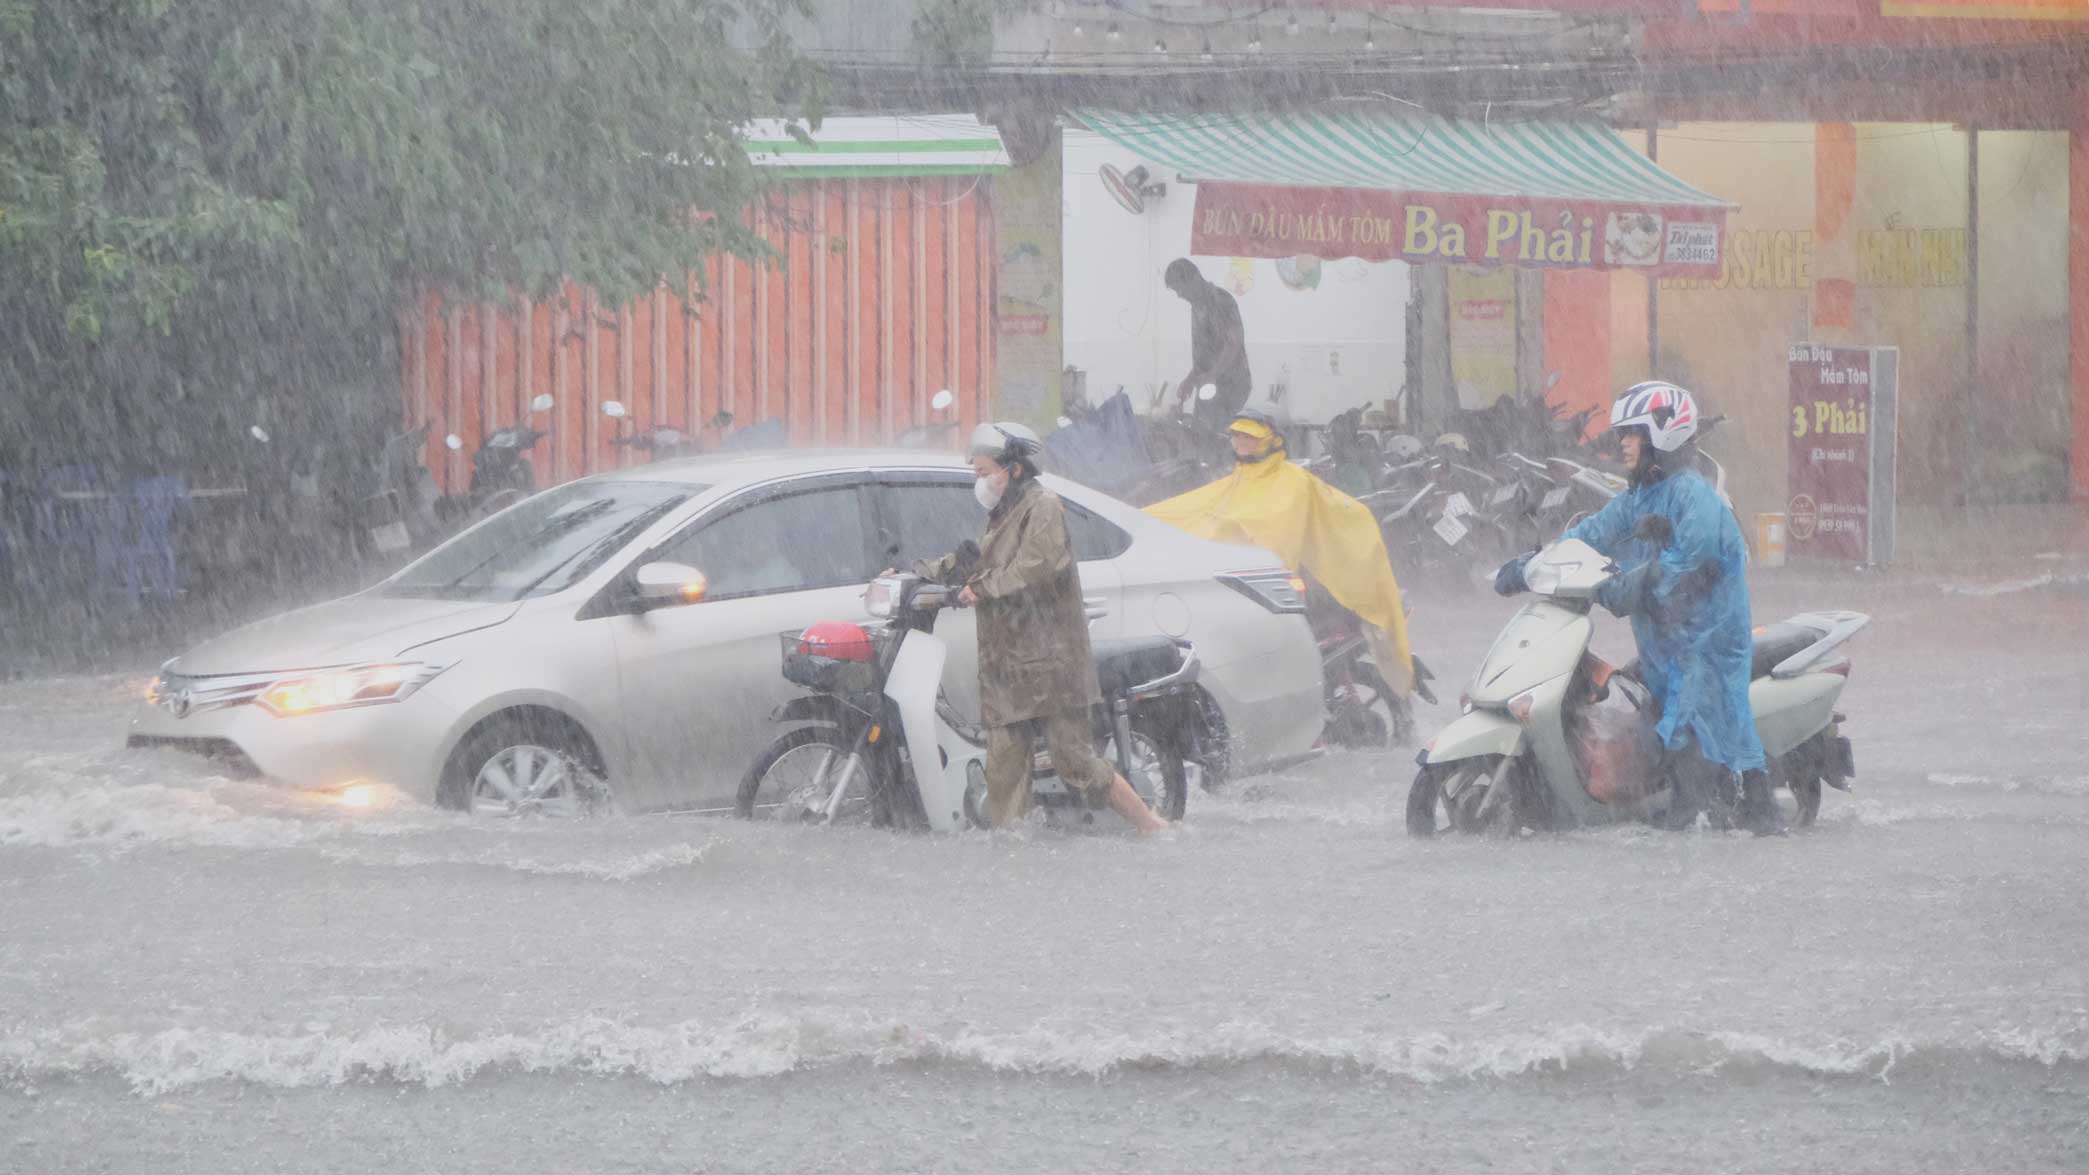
(1337, 346)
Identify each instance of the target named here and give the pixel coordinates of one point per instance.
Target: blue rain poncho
(1689, 612)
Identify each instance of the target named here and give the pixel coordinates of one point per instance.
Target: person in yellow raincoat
(1316, 529)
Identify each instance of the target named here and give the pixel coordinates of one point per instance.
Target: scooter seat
(1777, 642)
(1124, 662)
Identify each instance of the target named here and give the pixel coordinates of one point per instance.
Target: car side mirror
(666, 585)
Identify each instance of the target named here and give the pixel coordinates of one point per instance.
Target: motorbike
(664, 442)
(1186, 452)
(500, 470)
(661, 442)
(1552, 736)
(1350, 458)
(398, 511)
(938, 432)
(877, 741)
(1429, 515)
(1538, 499)
(1363, 712)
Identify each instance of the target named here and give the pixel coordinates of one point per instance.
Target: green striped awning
(902, 145)
(1422, 187)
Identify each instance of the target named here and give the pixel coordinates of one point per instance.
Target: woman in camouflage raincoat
(1034, 663)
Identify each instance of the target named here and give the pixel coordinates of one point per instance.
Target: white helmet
(1006, 441)
(1404, 447)
(1666, 411)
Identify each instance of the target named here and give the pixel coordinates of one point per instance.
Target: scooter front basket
(816, 671)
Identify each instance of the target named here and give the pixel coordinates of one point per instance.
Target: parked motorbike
(1554, 737)
(664, 442)
(661, 442)
(500, 470)
(1185, 453)
(877, 741)
(1536, 500)
(397, 509)
(938, 432)
(1351, 459)
(1430, 516)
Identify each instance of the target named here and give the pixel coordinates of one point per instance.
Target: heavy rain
(1033, 585)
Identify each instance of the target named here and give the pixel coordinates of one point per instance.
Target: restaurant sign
(1259, 220)
(1842, 471)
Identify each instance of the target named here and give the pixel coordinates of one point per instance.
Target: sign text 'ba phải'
(1253, 220)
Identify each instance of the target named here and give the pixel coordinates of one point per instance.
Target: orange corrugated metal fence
(881, 294)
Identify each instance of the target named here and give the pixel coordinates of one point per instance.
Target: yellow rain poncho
(1317, 530)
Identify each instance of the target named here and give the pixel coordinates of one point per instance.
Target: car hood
(341, 632)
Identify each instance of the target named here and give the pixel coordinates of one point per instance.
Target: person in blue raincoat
(1685, 591)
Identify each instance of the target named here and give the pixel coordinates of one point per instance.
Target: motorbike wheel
(795, 779)
(1448, 797)
(1161, 762)
(1365, 714)
(1808, 793)
(1799, 774)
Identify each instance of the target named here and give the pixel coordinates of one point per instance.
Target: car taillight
(1277, 588)
(1838, 668)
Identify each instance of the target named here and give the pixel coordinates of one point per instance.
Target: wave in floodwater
(75, 801)
(772, 1045)
(625, 867)
(2051, 785)
(2010, 587)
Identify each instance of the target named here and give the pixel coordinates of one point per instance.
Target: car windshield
(542, 545)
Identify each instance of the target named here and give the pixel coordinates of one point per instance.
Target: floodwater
(208, 975)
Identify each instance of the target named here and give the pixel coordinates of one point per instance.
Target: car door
(700, 680)
(926, 514)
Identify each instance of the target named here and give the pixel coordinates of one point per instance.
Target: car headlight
(347, 687)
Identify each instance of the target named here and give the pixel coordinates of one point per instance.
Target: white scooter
(877, 740)
(1554, 737)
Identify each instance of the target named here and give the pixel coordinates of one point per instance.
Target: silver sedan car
(615, 639)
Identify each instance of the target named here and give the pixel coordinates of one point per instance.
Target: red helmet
(838, 639)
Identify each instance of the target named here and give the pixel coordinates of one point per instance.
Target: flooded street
(203, 974)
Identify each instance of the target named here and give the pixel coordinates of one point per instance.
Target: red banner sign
(1986, 9)
(1829, 514)
(1256, 220)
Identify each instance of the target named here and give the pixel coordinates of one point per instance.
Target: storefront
(1494, 214)
(1947, 216)
(1861, 233)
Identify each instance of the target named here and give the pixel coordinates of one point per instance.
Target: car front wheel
(514, 768)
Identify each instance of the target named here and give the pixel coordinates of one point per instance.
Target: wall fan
(1131, 189)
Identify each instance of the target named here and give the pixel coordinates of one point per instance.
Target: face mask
(988, 490)
(1269, 450)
